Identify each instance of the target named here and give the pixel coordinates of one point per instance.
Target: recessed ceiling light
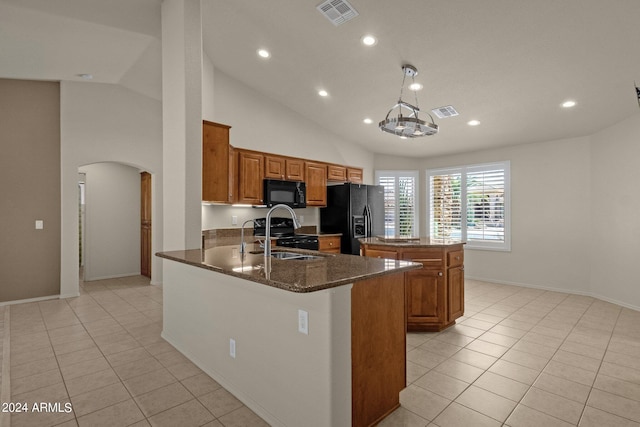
(569, 104)
(263, 53)
(415, 86)
(473, 122)
(369, 40)
(323, 93)
(85, 76)
(368, 121)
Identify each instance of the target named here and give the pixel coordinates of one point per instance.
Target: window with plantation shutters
(470, 203)
(400, 202)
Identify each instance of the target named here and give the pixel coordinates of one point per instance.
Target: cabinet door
(316, 180)
(215, 162)
(250, 176)
(354, 175)
(336, 173)
(294, 169)
(426, 299)
(455, 290)
(274, 167)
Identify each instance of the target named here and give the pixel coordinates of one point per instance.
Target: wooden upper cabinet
(250, 177)
(216, 184)
(274, 167)
(294, 169)
(316, 180)
(336, 173)
(354, 175)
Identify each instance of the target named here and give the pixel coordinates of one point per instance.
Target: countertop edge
(172, 256)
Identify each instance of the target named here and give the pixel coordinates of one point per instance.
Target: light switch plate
(39, 224)
(303, 322)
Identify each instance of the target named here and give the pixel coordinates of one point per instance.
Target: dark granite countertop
(327, 271)
(422, 242)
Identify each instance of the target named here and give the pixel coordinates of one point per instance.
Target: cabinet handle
(426, 259)
(330, 243)
(440, 273)
(457, 258)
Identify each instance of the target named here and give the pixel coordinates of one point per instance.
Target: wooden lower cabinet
(434, 294)
(329, 244)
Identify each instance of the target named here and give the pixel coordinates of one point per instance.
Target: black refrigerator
(356, 211)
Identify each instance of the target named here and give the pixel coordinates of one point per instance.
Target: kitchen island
(317, 340)
(434, 293)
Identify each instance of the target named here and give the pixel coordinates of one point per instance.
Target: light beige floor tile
(184, 370)
(486, 317)
(89, 382)
(502, 386)
(86, 367)
(220, 402)
(160, 347)
(422, 402)
(200, 384)
(127, 356)
(171, 357)
(467, 330)
(523, 416)
(479, 324)
(242, 417)
(415, 371)
(487, 348)
(622, 359)
(456, 415)
(100, 398)
(149, 381)
(425, 358)
(507, 331)
(191, 413)
(498, 339)
(579, 361)
(563, 387)
(459, 370)
(35, 367)
(121, 414)
(474, 358)
(593, 417)
(535, 349)
(163, 398)
(618, 386)
(441, 384)
(49, 393)
(78, 356)
(515, 372)
(583, 350)
(137, 367)
(614, 404)
(70, 347)
(33, 382)
(554, 405)
(542, 339)
(440, 347)
(526, 359)
(571, 373)
(517, 324)
(621, 372)
(20, 357)
(487, 403)
(403, 418)
(43, 417)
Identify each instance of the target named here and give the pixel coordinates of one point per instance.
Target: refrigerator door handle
(368, 220)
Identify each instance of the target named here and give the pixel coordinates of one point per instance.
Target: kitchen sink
(290, 255)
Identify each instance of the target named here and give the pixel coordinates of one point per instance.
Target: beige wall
(29, 189)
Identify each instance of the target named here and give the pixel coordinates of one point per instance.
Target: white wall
(106, 123)
(614, 236)
(112, 221)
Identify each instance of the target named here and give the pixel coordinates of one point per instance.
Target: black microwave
(290, 193)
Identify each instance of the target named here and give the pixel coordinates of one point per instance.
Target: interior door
(145, 224)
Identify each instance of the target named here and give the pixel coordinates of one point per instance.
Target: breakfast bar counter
(315, 340)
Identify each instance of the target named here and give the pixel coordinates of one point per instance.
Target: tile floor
(519, 357)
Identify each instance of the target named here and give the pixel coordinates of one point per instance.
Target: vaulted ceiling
(507, 63)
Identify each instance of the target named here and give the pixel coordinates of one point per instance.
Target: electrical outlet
(39, 224)
(301, 219)
(232, 348)
(303, 322)
(234, 219)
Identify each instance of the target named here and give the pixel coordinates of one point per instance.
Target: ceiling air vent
(337, 11)
(444, 112)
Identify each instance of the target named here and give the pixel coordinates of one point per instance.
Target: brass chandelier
(409, 125)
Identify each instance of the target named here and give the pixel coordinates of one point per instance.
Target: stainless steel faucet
(267, 241)
(243, 245)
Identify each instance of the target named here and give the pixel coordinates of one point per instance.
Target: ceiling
(509, 63)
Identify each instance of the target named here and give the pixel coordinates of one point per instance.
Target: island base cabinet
(425, 298)
(378, 348)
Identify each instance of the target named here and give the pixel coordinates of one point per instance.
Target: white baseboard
(24, 301)
(114, 276)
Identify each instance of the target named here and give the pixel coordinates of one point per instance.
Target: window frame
(464, 171)
(416, 194)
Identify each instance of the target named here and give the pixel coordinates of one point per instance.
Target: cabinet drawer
(430, 258)
(455, 258)
(376, 253)
(329, 243)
